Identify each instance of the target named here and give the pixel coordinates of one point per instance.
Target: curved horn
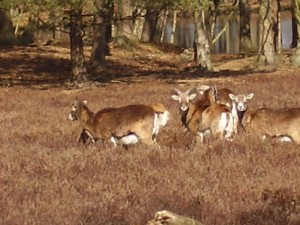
(175, 92)
(215, 90)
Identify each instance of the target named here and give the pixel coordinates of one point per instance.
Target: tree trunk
(173, 26)
(7, 35)
(277, 26)
(77, 58)
(19, 20)
(163, 27)
(296, 15)
(149, 30)
(109, 20)
(203, 54)
(294, 27)
(245, 31)
(267, 46)
(125, 23)
(139, 22)
(100, 47)
(228, 38)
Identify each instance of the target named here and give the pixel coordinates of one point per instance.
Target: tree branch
(226, 23)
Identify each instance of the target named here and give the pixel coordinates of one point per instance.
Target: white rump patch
(163, 118)
(160, 120)
(155, 124)
(223, 122)
(226, 125)
(230, 127)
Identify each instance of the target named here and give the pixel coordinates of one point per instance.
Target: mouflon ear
(192, 93)
(175, 94)
(232, 97)
(248, 97)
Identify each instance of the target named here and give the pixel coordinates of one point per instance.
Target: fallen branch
(169, 218)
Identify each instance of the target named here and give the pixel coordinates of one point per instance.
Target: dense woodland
(128, 21)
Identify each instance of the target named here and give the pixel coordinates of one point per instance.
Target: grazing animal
(204, 114)
(161, 118)
(217, 118)
(125, 125)
(282, 124)
(221, 96)
(115, 123)
(191, 109)
(80, 111)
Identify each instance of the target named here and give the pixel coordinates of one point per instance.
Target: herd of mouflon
(205, 111)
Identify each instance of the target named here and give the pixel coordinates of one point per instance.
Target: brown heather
(47, 178)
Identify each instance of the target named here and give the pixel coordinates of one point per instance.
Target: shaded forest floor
(47, 66)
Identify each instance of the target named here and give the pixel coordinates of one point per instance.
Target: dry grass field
(47, 178)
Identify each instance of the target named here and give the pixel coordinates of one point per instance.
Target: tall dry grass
(47, 178)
